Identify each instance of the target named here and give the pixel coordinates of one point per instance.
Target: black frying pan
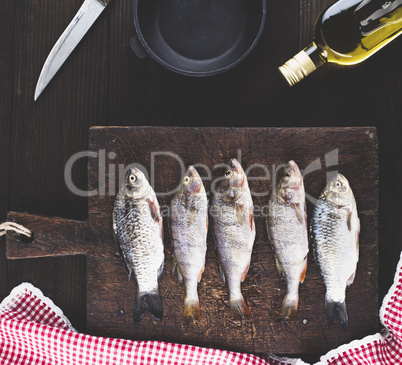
(197, 37)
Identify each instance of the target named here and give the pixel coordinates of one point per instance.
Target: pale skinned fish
(234, 232)
(287, 229)
(188, 228)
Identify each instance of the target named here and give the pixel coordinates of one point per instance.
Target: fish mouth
(292, 177)
(238, 178)
(293, 168)
(341, 178)
(192, 172)
(235, 166)
(196, 183)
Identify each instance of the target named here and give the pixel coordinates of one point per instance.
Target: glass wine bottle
(346, 33)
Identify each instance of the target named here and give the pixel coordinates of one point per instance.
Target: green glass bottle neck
(303, 64)
(316, 54)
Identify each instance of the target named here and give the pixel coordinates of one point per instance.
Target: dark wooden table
(103, 83)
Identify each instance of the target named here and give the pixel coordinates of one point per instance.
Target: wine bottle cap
(297, 68)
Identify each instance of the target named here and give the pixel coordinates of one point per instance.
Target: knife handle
(104, 2)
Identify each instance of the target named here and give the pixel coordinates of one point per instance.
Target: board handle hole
(27, 239)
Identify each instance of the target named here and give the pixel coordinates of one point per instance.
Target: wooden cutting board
(162, 152)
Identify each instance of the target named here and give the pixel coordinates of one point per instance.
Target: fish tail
(240, 308)
(139, 307)
(303, 274)
(336, 309)
(192, 309)
(289, 308)
(155, 305)
(152, 301)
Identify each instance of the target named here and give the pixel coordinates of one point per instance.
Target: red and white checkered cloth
(34, 331)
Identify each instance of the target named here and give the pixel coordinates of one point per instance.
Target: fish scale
(139, 248)
(332, 245)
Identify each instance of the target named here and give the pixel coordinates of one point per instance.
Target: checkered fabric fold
(33, 330)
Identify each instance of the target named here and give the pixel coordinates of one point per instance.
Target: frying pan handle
(137, 47)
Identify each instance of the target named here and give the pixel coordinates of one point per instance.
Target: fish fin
(240, 309)
(192, 310)
(161, 229)
(117, 241)
(305, 216)
(303, 274)
(245, 273)
(179, 275)
(200, 274)
(299, 212)
(342, 314)
(222, 273)
(351, 279)
(174, 265)
(289, 308)
(338, 310)
(160, 270)
(279, 269)
(349, 221)
(252, 222)
(154, 208)
(139, 307)
(152, 301)
(155, 214)
(268, 224)
(155, 305)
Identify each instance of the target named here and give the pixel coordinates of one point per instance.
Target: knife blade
(83, 20)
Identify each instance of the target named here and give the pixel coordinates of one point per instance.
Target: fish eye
(338, 184)
(186, 180)
(287, 175)
(132, 178)
(228, 173)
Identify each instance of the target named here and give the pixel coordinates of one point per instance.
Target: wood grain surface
(103, 83)
(164, 153)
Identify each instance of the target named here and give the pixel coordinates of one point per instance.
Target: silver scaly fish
(287, 229)
(335, 229)
(188, 228)
(234, 232)
(138, 229)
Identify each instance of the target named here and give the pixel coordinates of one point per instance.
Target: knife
(83, 20)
